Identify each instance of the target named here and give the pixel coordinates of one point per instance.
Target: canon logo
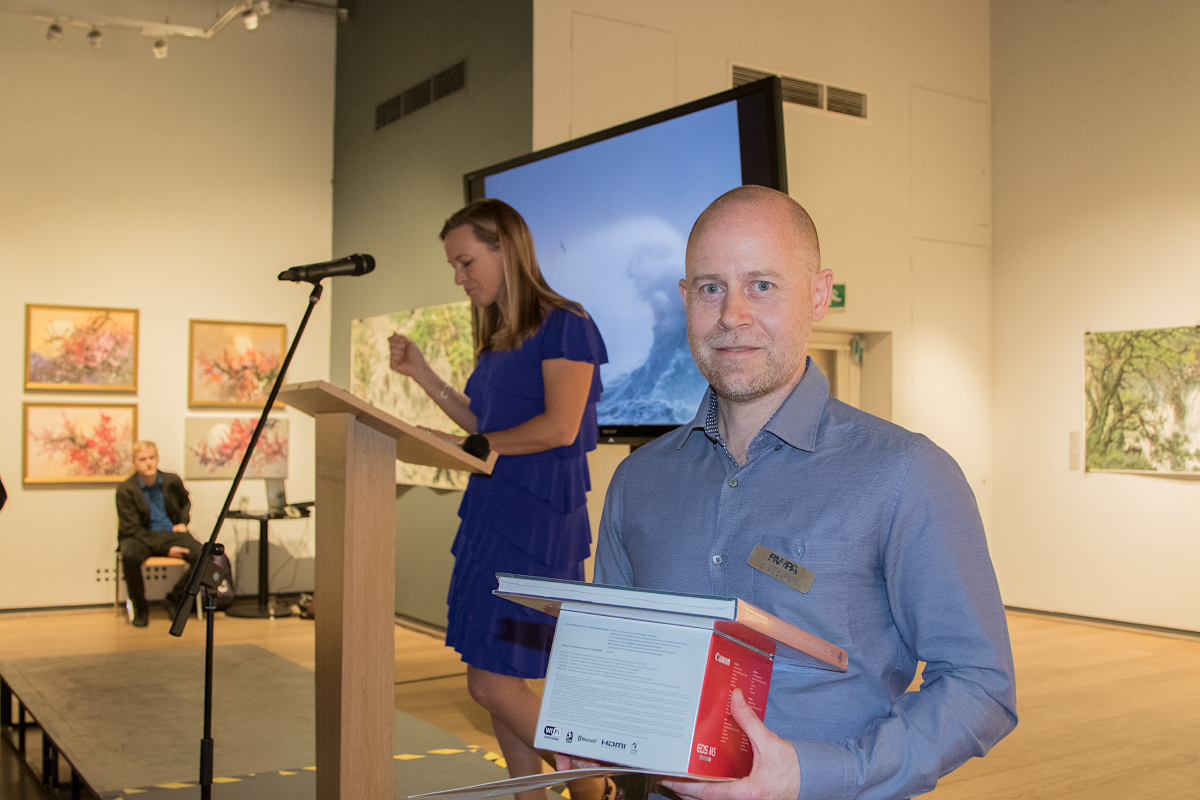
(722, 659)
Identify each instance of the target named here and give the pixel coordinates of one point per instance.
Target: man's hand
(774, 776)
(177, 552)
(180, 528)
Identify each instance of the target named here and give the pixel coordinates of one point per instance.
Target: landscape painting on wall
(78, 443)
(443, 333)
(214, 446)
(1142, 400)
(80, 348)
(233, 364)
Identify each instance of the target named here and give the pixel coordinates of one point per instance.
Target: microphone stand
(203, 574)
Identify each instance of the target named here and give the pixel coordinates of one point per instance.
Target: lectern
(357, 446)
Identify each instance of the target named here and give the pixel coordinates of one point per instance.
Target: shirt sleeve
(129, 514)
(612, 565)
(183, 501)
(946, 605)
(575, 338)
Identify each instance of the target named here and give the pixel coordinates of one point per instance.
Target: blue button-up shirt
(159, 521)
(886, 521)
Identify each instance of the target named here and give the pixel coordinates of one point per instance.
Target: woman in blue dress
(532, 396)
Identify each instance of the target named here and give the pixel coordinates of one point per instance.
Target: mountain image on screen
(610, 215)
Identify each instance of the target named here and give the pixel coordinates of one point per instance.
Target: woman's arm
(567, 386)
(406, 358)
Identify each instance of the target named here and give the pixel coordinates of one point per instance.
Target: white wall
(178, 187)
(1097, 220)
(902, 200)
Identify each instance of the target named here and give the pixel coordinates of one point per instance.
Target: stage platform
(130, 724)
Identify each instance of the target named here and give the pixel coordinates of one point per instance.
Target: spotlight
(54, 32)
(250, 19)
(159, 49)
(263, 7)
(96, 38)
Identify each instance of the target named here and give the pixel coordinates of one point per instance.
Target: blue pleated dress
(530, 516)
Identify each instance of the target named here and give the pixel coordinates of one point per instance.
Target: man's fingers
(746, 718)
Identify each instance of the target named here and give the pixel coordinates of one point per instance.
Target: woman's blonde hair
(497, 225)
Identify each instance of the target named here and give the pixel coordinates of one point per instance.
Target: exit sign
(838, 299)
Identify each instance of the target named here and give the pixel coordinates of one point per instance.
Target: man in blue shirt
(880, 519)
(153, 511)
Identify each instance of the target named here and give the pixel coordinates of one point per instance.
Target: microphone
(357, 264)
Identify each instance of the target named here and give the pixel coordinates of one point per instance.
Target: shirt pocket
(824, 609)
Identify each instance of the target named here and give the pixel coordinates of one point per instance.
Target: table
(264, 608)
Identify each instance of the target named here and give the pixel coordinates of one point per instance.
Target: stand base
(255, 611)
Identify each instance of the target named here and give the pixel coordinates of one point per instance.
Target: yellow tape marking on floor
(407, 756)
(490, 756)
(227, 780)
(445, 751)
(286, 772)
(310, 769)
(174, 785)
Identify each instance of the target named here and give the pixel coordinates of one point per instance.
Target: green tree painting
(444, 335)
(1142, 395)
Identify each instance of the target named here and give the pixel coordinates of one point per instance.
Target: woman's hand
(406, 357)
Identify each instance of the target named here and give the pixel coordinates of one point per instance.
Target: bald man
(880, 518)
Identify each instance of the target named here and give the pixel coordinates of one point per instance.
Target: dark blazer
(133, 513)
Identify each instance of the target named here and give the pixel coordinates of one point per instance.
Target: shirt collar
(795, 422)
(157, 481)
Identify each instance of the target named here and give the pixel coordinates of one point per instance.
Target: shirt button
(717, 559)
(778, 447)
(733, 483)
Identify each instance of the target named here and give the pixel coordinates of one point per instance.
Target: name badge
(781, 569)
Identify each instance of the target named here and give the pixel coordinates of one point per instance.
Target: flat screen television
(610, 215)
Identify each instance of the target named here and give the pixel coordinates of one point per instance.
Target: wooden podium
(357, 447)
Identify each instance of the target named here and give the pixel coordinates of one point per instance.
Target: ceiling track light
(54, 33)
(262, 7)
(96, 38)
(159, 48)
(250, 19)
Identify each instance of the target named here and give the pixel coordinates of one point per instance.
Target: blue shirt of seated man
(159, 521)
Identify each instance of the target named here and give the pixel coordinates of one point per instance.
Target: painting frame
(112, 477)
(240, 340)
(127, 327)
(443, 334)
(1141, 401)
(213, 447)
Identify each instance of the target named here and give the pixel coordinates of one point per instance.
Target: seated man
(880, 521)
(153, 511)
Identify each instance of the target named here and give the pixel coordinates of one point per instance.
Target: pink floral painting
(76, 443)
(77, 348)
(233, 363)
(214, 447)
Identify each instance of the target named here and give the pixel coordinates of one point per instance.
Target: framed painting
(78, 442)
(213, 448)
(80, 348)
(444, 335)
(1142, 401)
(233, 364)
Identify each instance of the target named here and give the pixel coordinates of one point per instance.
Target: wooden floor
(1106, 711)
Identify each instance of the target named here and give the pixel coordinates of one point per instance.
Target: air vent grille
(450, 81)
(808, 93)
(805, 93)
(421, 94)
(846, 101)
(744, 75)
